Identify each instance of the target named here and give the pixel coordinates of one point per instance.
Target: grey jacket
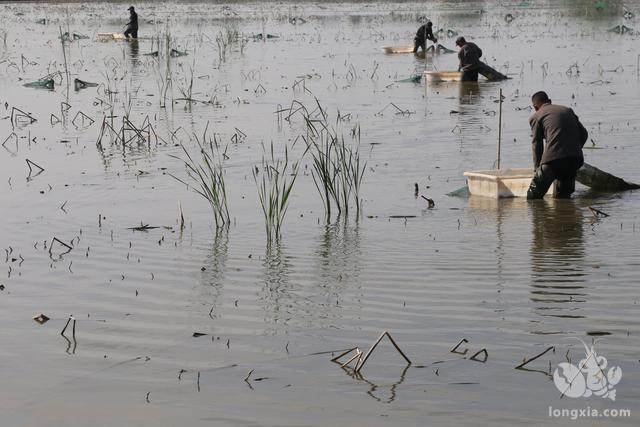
(563, 132)
(469, 56)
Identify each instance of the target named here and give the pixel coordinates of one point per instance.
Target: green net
(412, 79)
(460, 192)
(600, 180)
(41, 84)
(176, 53)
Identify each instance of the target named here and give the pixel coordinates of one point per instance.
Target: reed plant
(187, 89)
(227, 37)
(274, 189)
(337, 166)
(162, 62)
(207, 173)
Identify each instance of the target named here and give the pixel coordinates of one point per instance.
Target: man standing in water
(562, 156)
(132, 26)
(423, 34)
(469, 57)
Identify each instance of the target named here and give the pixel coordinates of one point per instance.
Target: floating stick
(13, 137)
(55, 239)
(597, 213)
(385, 333)
(30, 163)
(477, 359)
(16, 113)
(67, 324)
(82, 117)
(335, 359)
(455, 349)
(527, 361)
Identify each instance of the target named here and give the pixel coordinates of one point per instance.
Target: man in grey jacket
(469, 57)
(423, 34)
(562, 156)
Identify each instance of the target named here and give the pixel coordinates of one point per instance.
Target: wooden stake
(499, 129)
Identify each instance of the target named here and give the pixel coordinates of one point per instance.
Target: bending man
(562, 156)
(423, 34)
(469, 57)
(132, 26)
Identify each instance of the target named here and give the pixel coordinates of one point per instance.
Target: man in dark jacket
(423, 34)
(562, 156)
(132, 26)
(469, 57)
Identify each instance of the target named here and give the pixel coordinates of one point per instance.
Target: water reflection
(375, 389)
(469, 93)
(503, 210)
(471, 118)
(215, 268)
(134, 52)
(338, 266)
(276, 294)
(557, 252)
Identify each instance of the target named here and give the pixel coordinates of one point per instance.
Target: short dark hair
(460, 41)
(540, 97)
(429, 23)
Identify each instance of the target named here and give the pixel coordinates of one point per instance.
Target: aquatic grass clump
(207, 172)
(274, 189)
(227, 37)
(337, 168)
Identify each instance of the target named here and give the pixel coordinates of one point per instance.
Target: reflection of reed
(557, 250)
(375, 387)
(215, 269)
(276, 291)
(338, 261)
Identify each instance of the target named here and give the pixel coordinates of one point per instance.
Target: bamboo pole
(499, 129)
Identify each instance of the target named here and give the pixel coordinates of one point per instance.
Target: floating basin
(397, 49)
(110, 36)
(500, 183)
(442, 76)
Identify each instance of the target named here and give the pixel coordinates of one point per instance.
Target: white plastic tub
(442, 76)
(500, 183)
(397, 49)
(103, 37)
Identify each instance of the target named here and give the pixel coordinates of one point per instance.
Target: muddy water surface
(510, 277)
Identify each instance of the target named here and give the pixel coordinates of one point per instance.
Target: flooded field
(180, 322)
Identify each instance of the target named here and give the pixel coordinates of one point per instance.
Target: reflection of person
(557, 252)
(132, 25)
(423, 34)
(469, 93)
(469, 57)
(562, 156)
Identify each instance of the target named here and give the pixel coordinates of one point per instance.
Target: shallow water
(510, 276)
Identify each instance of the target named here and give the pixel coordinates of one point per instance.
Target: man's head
(460, 41)
(539, 99)
(429, 24)
(131, 8)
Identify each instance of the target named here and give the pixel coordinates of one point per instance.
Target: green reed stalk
(337, 168)
(207, 172)
(274, 190)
